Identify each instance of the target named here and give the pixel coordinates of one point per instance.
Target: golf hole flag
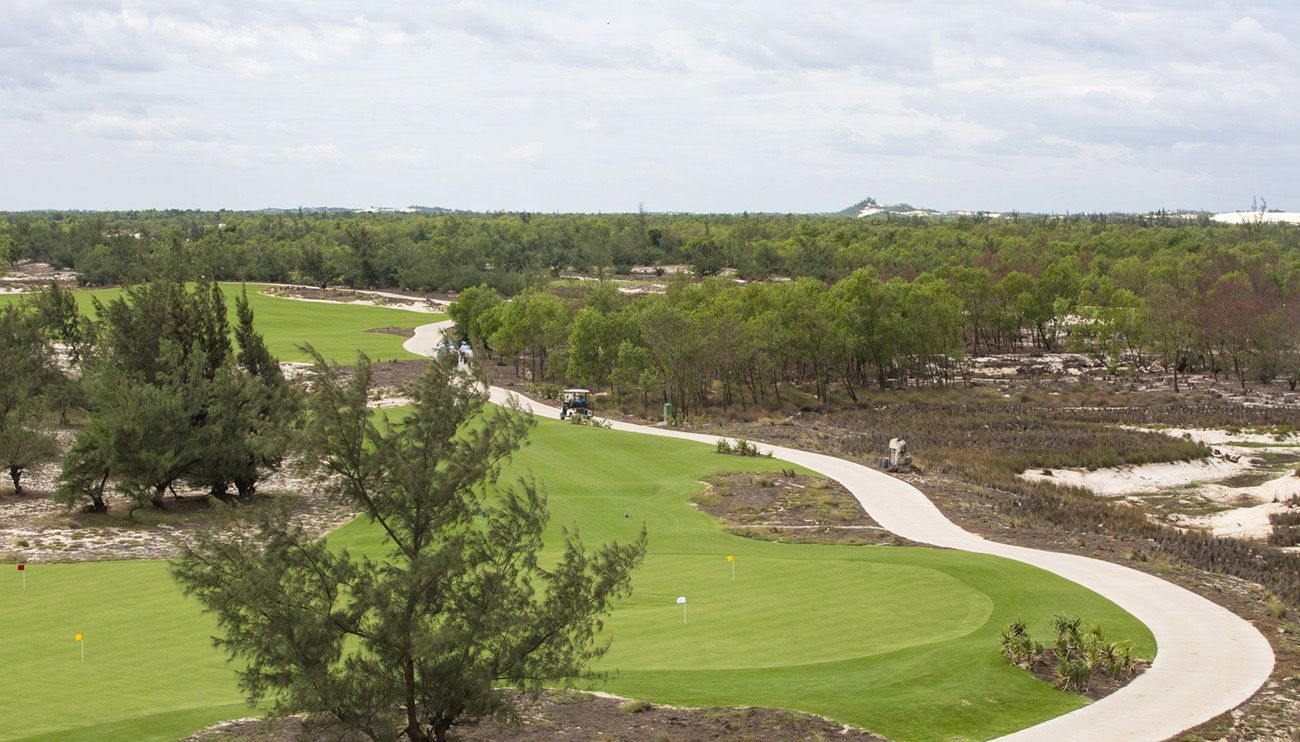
(80, 640)
(731, 559)
(682, 602)
(23, 568)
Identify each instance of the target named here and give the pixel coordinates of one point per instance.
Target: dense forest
(826, 301)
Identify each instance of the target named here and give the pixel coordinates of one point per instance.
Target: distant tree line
(1225, 311)
(842, 302)
(511, 251)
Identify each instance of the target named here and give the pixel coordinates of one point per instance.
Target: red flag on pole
(22, 567)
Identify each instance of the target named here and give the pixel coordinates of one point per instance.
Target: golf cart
(574, 403)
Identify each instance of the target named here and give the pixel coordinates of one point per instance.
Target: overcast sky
(1041, 105)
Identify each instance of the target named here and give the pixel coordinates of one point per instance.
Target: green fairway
(338, 331)
(902, 641)
(150, 670)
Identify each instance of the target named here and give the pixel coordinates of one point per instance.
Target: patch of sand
(1245, 509)
(1129, 480)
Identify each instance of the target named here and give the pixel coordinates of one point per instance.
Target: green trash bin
(668, 414)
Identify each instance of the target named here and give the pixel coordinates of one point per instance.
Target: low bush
(543, 390)
(1080, 652)
(1019, 648)
(741, 447)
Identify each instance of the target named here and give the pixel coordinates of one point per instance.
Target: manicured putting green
(338, 331)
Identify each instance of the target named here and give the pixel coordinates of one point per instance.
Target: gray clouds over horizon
(1047, 105)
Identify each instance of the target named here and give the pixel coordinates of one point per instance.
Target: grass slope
(338, 331)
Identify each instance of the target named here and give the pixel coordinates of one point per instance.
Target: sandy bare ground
(1232, 493)
(28, 275)
(37, 529)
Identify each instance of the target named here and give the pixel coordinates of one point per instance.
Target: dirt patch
(395, 375)
(403, 332)
(34, 528)
(791, 508)
(582, 716)
(28, 275)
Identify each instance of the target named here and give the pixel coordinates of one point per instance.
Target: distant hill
(869, 207)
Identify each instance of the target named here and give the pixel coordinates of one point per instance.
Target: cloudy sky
(1040, 105)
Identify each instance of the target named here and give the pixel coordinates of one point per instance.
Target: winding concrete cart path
(1208, 659)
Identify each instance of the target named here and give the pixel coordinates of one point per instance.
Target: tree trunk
(16, 474)
(97, 496)
(413, 730)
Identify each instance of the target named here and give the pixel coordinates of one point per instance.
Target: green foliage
(460, 603)
(1019, 648)
(473, 313)
(1080, 652)
(741, 447)
(169, 400)
(30, 380)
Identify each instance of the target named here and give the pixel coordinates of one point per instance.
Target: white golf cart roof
(577, 391)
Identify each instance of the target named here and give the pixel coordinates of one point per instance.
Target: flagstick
(83, 651)
(683, 613)
(24, 579)
(733, 570)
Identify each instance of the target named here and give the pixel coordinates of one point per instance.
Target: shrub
(741, 447)
(543, 390)
(1080, 653)
(1276, 608)
(635, 706)
(1073, 674)
(1019, 648)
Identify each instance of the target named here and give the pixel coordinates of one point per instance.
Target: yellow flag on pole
(78, 638)
(731, 558)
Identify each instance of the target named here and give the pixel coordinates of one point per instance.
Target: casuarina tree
(463, 601)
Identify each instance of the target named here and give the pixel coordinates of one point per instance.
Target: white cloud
(146, 128)
(402, 155)
(523, 153)
(316, 154)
